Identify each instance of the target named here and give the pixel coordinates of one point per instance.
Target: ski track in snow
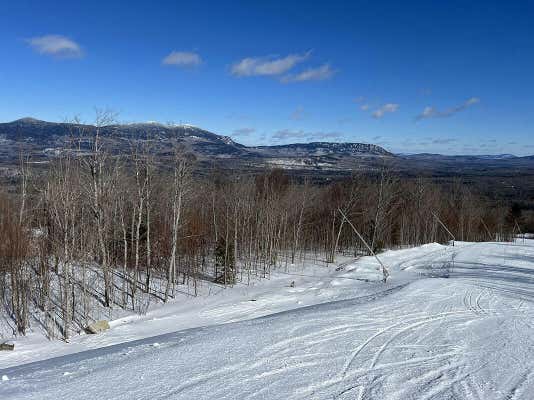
(453, 323)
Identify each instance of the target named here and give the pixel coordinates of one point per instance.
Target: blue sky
(450, 77)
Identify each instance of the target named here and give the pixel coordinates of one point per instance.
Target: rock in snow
(97, 327)
(7, 346)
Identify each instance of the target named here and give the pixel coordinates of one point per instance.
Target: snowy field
(451, 323)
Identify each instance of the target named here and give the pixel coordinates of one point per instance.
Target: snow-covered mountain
(51, 134)
(324, 148)
(45, 140)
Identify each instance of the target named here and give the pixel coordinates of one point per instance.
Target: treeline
(102, 231)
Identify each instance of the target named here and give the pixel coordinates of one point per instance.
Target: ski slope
(451, 323)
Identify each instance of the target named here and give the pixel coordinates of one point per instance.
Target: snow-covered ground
(451, 323)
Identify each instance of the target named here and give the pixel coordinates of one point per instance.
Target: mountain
(56, 135)
(459, 158)
(497, 156)
(484, 161)
(45, 140)
(323, 148)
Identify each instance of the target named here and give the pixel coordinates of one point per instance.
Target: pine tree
(225, 261)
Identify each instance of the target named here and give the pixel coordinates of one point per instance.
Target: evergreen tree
(225, 261)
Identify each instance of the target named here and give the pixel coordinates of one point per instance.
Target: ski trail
(465, 333)
(426, 320)
(399, 333)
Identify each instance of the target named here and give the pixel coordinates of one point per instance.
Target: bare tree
(180, 186)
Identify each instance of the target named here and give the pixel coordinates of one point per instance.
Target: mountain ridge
(45, 140)
(26, 123)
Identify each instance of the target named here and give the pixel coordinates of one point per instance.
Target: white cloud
(243, 131)
(287, 134)
(267, 66)
(471, 101)
(311, 74)
(56, 45)
(325, 135)
(386, 108)
(182, 59)
(364, 107)
(427, 112)
(431, 112)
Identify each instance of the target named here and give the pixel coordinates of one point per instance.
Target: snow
(452, 322)
(288, 163)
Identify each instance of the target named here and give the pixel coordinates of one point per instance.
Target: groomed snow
(452, 322)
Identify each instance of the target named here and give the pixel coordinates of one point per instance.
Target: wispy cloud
(56, 45)
(298, 114)
(425, 92)
(384, 109)
(321, 73)
(344, 120)
(431, 112)
(325, 135)
(243, 131)
(182, 59)
(444, 141)
(288, 134)
(364, 107)
(267, 66)
(284, 134)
